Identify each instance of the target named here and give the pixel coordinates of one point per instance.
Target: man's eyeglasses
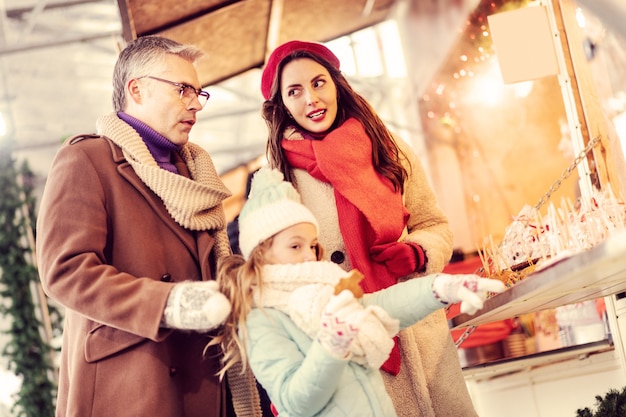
(187, 92)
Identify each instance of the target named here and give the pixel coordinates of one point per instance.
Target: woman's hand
(400, 258)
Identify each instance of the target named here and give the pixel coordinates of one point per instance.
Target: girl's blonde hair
(237, 279)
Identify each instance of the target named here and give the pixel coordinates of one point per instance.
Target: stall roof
(238, 35)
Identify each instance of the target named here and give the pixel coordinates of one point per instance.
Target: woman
(376, 210)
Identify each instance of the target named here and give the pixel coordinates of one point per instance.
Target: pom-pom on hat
(283, 51)
(272, 206)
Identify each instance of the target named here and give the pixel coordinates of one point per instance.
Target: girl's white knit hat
(273, 205)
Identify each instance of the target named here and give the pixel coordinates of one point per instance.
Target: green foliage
(28, 352)
(612, 405)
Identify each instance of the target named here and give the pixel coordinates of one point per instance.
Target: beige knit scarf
(194, 203)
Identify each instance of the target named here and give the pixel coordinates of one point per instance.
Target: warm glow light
(487, 88)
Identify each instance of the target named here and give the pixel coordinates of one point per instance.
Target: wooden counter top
(597, 272)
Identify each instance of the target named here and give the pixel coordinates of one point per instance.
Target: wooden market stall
(548, 381)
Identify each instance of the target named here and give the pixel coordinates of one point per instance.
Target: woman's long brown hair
(386, 156)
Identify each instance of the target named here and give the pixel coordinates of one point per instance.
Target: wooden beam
(585, 115)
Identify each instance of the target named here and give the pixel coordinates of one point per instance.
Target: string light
(461, 84)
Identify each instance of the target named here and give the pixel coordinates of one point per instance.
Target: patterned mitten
(196, 305)
(340, 323)
(470, 290)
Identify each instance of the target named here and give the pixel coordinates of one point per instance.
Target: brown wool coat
(109, 252)
(430, 382)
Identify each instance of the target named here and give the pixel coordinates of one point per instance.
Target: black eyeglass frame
(183, 87)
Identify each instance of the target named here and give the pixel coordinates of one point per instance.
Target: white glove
(341, 320)
(471, 290)
(196, 305)
(372, 346)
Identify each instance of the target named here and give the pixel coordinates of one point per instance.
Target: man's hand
(196, 305)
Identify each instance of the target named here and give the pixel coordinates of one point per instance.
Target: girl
(316, 353)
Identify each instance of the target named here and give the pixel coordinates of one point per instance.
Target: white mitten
(470, 290)
(374, 342)
(196, 305)
(340, 323)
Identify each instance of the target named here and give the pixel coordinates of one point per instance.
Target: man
(130, 228)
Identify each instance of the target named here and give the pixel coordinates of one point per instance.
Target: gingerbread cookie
(351, 282)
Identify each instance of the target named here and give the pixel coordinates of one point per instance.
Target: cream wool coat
(430, 382)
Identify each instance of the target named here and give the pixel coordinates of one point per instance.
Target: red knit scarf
(370, 211)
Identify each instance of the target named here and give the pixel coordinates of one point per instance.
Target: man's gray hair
(141, 57)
